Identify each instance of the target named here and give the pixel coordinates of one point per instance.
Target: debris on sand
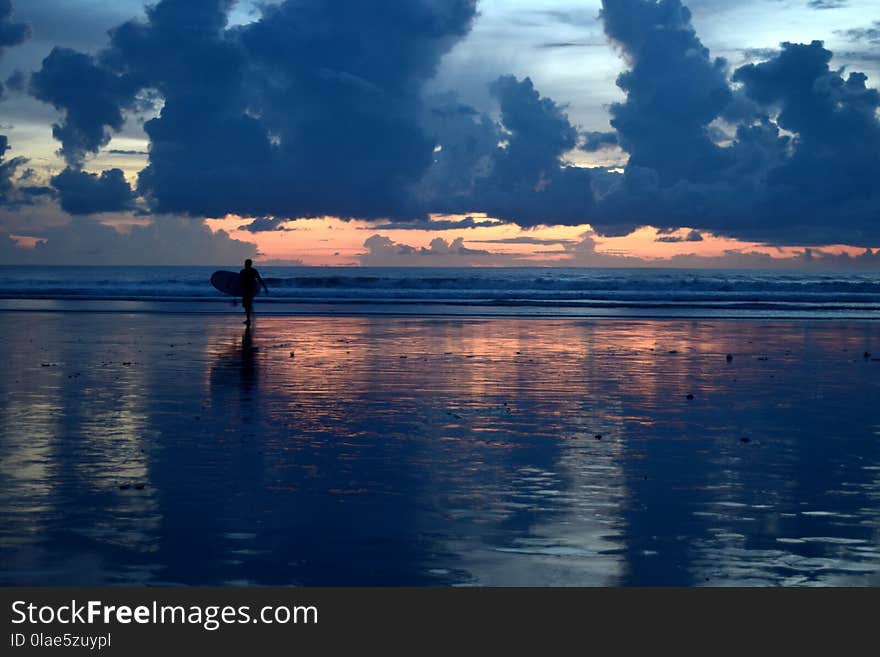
(598, 436)
(689, 396)
(124, 486)
(867, 354)
(291, 354)
(745, 439)
(729, 357)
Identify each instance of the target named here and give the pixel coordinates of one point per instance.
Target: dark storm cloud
(515, 169)
(88, 193)
(799, 167)
(538, 131)
(674, 89)
(17, 81)
(11, 32)
(829, 182)
(596, 141)
(314, 109)
(8, 169)
(91, 97)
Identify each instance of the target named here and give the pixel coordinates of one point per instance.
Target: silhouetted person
(250, 277)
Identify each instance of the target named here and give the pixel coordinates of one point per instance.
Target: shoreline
(440, 309)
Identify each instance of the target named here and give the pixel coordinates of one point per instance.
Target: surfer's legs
(248, 303)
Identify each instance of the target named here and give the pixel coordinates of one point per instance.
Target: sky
(710, 133)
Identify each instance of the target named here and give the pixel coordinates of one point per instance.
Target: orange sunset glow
(334, 242)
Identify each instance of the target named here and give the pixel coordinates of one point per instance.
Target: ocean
(521, 291)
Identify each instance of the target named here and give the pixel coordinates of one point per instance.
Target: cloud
(91, 97)
(581, 18)
(827, 4)
(316, 108)
(9, 194)
(827, 186)
(674, 90)
(382, 251)
(266, 224)
(437, 224)
(524, 239)
(166, 240)
(569, 44)
(583, 252)
(692, 236)
(868, 34)
(798, 167)
(596, 141)
(17, 81)
(13, 195)
(11, 33)
(88, 193)
(514, 169)
(312, 110)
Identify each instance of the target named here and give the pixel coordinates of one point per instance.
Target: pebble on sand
(745, 439)
(689, 396)
(598, 436)
(729, 357)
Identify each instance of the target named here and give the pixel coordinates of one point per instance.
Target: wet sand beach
(178, 449)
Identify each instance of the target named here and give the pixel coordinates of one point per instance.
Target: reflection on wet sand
(430, 451)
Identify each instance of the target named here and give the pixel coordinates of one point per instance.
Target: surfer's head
(248, 263)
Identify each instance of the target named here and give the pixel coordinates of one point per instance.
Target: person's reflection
(217, 477)
(235, 375)
(248, 362)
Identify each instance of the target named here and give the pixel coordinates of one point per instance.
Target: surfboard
(228, 282)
